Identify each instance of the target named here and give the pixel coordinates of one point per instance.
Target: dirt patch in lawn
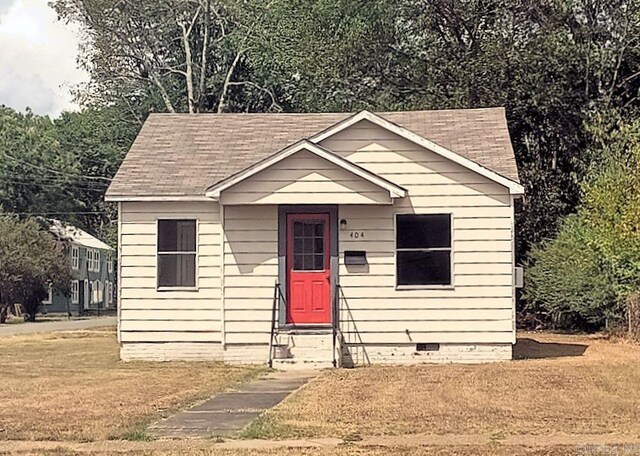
(561, 384)
(71, 386)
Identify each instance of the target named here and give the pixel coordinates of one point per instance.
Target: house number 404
(356, 234)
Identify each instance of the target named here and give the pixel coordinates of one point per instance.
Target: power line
(56, 171)
(41, 177)
(56, 213)
(35, 181)
(18, 175)
(58, 186)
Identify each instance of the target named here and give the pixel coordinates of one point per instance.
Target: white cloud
(38, 53)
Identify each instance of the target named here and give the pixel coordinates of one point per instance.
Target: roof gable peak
(395, 191)
(514, 187)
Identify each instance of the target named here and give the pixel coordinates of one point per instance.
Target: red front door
(308, 269)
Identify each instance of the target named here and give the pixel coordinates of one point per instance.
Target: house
(318, 239)
(92, 264)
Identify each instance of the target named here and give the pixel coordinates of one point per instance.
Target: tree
(36, 176)
(552, 64)
(593, 265)
(31, 261)
(176, 56)
(61, 168)
(97, 139)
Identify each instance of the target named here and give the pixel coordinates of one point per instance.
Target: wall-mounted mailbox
(355, 257)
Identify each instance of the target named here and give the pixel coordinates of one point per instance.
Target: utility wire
(37, 180)
(54, 213)
(58, 186)
(30, 176)
(56, 171)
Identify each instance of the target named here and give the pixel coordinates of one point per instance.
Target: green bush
(593, 264)
(565, 277)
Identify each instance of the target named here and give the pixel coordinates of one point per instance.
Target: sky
(38, 54)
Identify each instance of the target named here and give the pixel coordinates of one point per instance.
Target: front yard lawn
(576, 384)
(71, 386)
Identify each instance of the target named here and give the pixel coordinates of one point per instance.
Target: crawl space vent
(427, 347)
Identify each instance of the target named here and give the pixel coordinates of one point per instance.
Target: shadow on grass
(526, 348)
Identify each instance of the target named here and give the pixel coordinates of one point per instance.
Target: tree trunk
(203, 59)
(226, 85)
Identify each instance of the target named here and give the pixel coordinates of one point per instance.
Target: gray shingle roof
(183, 154)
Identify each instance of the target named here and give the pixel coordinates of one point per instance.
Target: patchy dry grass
(71, 386)
(573, 384)
(343, 450)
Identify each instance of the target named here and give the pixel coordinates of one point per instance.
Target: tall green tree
(36, 175)
(97, 139)
(61, 168)
(552, 63)
(31, 261)
(170, 55)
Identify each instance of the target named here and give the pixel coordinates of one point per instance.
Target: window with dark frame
(176, 253)
(423, 249)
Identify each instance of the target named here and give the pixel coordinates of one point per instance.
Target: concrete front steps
(304, 349)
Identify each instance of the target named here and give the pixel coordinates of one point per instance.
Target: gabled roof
(513, 186)
(395, 191)
(76, 235)
(179, 156)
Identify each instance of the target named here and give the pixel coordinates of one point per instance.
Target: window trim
(96, 260)
(75, 257)
(196, 287)
(75, 292)
(99, 291)
(49, 299)
(449, 286)
(89, 259)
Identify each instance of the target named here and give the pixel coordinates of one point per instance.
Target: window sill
(424, 287)
(177, 289)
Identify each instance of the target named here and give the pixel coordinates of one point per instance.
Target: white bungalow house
(318, 239)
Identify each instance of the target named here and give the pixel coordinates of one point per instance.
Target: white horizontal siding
(149, 316)
(250, 268)
(392, 314)
(304, 178)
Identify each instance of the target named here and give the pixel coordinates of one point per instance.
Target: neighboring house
(382, 237)
(92, 263)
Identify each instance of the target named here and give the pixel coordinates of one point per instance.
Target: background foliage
(556, 65)
(593, 265)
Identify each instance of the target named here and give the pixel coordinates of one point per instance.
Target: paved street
(52, 326)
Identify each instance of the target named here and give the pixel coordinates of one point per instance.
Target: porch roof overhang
(395, 191)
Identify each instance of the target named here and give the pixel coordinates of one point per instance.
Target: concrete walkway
(52, 326)
(228, 413)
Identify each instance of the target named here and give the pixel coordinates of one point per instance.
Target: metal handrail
(276, 289)
(335, 324)
(277, 296)
(334, 320)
